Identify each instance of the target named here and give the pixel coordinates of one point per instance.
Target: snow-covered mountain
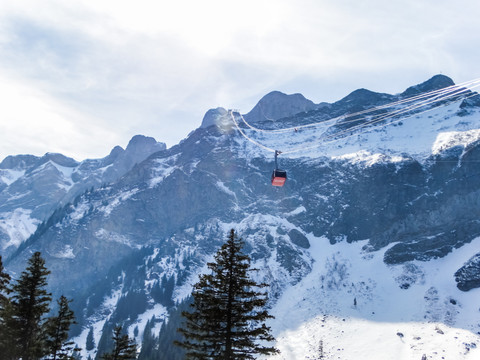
(32, 187)
(372, 248)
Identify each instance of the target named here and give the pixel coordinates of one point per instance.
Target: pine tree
(7, 349)
(57, 329)
(148, 341)
(124, 347)
(77, 355)
(90, 342)
(228, 314)
(4, 285)
(321, 354)
(169, 285)
(168, 334)
(29, 303)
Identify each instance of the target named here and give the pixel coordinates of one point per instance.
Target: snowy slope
(400, 312)
(417, 136)
(429, 317)
(18, 225)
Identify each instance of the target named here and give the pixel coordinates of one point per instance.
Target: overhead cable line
(430, 98)
(334, 137)
(447, 91)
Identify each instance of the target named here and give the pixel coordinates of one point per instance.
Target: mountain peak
(141, 141)
(116, 151)
(361, 95)
(138, 149)
(434, 83)
(276, 105)
(18, 162)
(59, 159)
(213, 117)
(361, 98)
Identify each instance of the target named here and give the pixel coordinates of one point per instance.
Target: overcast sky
(79, 77)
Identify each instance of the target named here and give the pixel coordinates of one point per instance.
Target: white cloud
(33, 122)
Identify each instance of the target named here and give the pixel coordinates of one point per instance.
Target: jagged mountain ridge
(32, 187)
(179, 203)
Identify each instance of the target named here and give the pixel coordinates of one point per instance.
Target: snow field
(18, 225)
(357, 339)
(387, 322)
(418, 136)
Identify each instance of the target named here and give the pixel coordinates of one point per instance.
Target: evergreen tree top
(4, 284)
(124, 347)
(228, 315)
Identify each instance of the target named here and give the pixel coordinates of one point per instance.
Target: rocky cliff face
(468, 276)
(277, 105)
(426, 208)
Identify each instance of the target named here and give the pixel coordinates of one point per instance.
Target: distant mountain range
(32, 187)
(377, 226)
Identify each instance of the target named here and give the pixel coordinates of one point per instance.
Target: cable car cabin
(279, 177)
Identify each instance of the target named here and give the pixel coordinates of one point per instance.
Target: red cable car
(278, 176)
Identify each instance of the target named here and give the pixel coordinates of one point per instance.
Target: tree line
(226, 321)
(26, 330)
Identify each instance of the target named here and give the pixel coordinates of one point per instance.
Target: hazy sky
(79, 77)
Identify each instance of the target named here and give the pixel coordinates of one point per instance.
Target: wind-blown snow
(369, 159)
